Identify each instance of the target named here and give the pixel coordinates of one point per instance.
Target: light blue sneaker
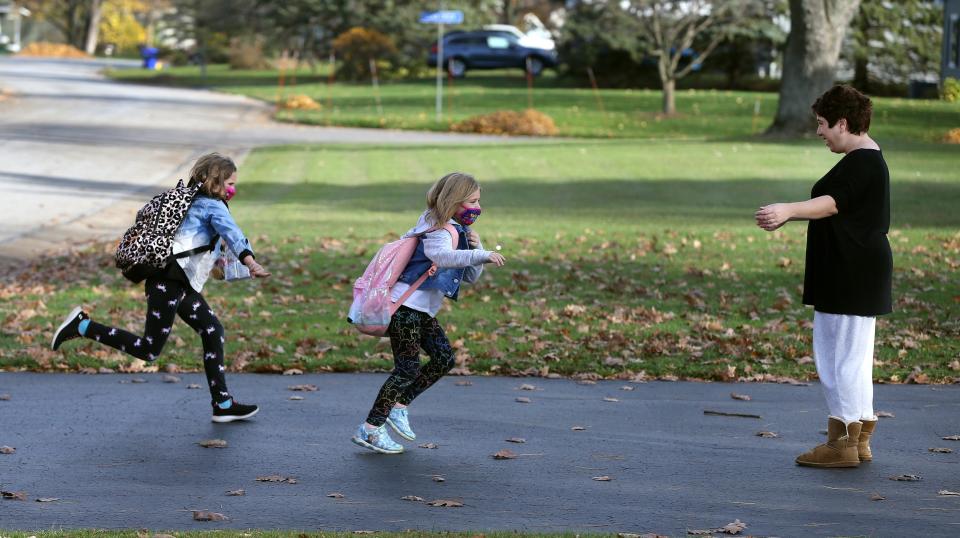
(377, 440)
(399, 421)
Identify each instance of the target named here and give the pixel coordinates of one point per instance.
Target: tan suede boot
(840, 450)
(863, 446)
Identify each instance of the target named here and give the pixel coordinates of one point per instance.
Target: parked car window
(498, 42)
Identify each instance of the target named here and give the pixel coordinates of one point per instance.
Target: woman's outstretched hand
(770, 217)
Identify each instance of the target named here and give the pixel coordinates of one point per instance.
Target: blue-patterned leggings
(165, 300)
(410, 331)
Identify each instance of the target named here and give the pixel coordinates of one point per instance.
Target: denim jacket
(454, 266)
(207, 218)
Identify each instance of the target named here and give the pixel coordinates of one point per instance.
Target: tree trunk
(669, 97)
(861, 75)
(817, 28)
(93, 28)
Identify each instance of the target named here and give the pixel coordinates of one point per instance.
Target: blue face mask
(468, 215)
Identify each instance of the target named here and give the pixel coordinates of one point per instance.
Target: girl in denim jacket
(454, 199)
(175, 290)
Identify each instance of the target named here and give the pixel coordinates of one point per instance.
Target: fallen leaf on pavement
(303, 388)
(941, 450)
(578, 428)
(885, 414)
(877, 497)
(906, 478)
(946, 492)
(171, 379)
(446, 503)
(138, 380)
(626, 387)
(413, 498)
(293, 371)
(609, 399)
(335, 495)
(430, 445)
(7, 449)
(236, 493)
(729, 528)
(522, 399)
(4, 397)
(277, 478)
(203, 515)
(744, 397)
(768, 435)
(603, 478)
(14, 495)
(527, 386)
(725, 414)
(505, 454)
(952, 438)
(463, 383)
(47, 499)
(213, 443)
(296, 398)
(438, 478)
(516, 440)
(194, 386)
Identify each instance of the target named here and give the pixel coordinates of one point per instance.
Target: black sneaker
(237, 411)
(69, 329)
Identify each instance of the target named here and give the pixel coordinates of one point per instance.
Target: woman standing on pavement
(848, 274)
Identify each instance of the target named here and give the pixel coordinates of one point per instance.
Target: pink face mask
(231, 192)
(468, 215)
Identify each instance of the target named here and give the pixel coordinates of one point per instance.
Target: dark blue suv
(490, 49)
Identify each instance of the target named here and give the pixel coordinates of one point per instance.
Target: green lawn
(624, 256)
(578, 112)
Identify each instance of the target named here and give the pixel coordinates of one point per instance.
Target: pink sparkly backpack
(372, 308)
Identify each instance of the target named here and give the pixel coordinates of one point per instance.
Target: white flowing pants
(843, 351)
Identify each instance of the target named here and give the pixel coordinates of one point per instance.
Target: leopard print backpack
(147, 246)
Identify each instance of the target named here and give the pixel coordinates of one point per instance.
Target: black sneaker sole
(231, 418)
(70, 317)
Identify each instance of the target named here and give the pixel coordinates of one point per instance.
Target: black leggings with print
(166, 299)
(410, 331)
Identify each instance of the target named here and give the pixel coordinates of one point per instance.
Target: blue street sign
(442, 17)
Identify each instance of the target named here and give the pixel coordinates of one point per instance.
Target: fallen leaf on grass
(7, 449)
(303, 388)
(213, 443)
(203, 515)
(14, 495)
(277, 478)
(885, 414)
(952, 438)
(609, 399)
(430, 445)
(47, 499)
(877, 497)
(236, 493)
(194, 386)
(603, 478)
(906, 478)
(413, 498)
(743, 397)
(578, 428)
(948, 493)
(505, 454)
(522, 399)
(768, 435)
(446, 503)
(336, 495)
(941, 450)
(516, 440)
(293, 371)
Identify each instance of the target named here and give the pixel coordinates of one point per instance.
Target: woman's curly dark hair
(843, 101)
